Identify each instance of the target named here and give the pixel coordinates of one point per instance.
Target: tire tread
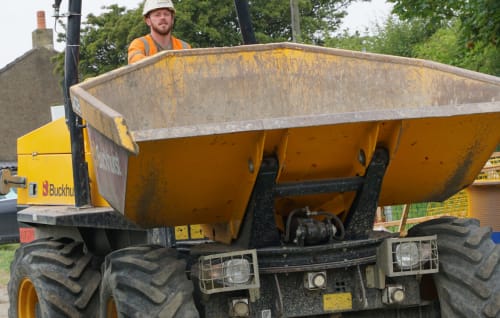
(147, 281)
(467, 282)
(49, 264)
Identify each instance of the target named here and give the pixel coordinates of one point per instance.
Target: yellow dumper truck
(282, 154)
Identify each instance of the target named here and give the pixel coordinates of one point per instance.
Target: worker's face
(160, 21)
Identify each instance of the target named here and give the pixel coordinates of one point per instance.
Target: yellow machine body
(44, 156)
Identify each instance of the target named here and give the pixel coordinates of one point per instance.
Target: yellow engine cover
(44, 158)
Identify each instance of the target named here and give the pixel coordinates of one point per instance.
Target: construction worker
(159, 15)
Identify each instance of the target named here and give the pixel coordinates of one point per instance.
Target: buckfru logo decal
(52, 190)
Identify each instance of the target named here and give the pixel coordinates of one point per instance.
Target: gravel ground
(4, 302)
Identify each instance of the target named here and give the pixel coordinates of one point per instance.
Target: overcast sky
(19, 20)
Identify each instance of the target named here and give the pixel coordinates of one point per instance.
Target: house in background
(28, 88)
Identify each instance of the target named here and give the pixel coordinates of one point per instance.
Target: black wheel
(468, 282)
(146, 281)
(53, 278)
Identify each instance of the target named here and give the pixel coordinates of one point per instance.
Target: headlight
(234, 271)
(407, 255)
(228, 271)
(237, 271)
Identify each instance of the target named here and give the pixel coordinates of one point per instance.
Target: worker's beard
(162, 29)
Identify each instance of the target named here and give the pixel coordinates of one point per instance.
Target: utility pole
(246, 27)
(294, 10)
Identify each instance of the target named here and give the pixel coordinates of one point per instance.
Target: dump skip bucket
(179, 137)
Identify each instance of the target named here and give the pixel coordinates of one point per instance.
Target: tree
(442, 46)
(206, 23)
(412, 38)
(398, 37)
(318, 19)
(445, 46)
(479, 19)
(393, 37)
(202, 23)
(347, 41)
(105, 39)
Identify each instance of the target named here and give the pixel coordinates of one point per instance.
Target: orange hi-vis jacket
(146, 46)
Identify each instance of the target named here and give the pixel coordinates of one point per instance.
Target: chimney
(42, 37)
(40, 20)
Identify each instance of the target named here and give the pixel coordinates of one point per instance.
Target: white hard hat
(151, 5)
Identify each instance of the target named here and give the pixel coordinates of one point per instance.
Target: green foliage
(214, 23)
(415, 38)
(426, 31)
(105, 39)
(394, 37)
(399, 38)
(318, 19)
(446, 46)
(479, 19)
(483, 59)
(442, 46)
(6, 256)
(202, 23)
(206, 23)
(347, 41)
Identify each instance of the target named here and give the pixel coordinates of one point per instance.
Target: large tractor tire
(53, 278)
(468, 282)
(146, 281)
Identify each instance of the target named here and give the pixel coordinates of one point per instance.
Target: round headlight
(237, 271)
(407, 255)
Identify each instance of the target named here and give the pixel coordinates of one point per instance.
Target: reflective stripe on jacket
(145, 46)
